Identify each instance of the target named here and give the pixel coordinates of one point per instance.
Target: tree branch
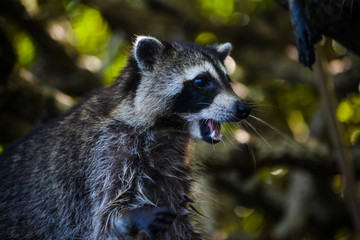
(342, 155)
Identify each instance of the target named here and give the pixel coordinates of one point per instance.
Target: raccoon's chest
(163, 181)
(144, 169)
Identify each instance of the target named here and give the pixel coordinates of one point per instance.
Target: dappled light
(242, 136)
(25, 49)
(298, 126)
(277, 163)
(206, 38)
(31, 6)
(91, 32)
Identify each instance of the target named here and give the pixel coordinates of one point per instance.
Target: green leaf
(90, 29)
(25, 49)
(345, 111)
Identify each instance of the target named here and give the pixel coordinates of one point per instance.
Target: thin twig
(343, 156)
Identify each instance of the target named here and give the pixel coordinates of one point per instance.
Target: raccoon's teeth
(210, 130)
(218, 137)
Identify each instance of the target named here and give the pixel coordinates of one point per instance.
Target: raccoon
(116, 165)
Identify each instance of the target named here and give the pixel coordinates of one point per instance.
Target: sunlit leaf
(224, 8)
(205, 38)
(220, 9)
(345, 111)
(91, 30)
(338, 48)
(233, 11)
(355, 136)
(114, 69)
(25, 49)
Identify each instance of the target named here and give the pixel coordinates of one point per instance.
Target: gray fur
(110, 160)
(146, 51)
(224, 50)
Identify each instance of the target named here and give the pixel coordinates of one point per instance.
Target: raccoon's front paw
(305, 45)
(154, 220)
(305, 35)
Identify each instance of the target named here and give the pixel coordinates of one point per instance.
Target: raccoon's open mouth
(210, 131)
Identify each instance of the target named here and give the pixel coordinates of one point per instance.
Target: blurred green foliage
(299, 97)
(114, 69)
(348, 112)
(253, 223)
(91, 31)
(25, 49)
(231, 12)
(84, 30)
(345, 234)
(206, 38)
(244, 219)
(222, 9)
(273, 176)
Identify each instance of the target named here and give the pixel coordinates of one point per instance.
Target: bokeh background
(274, 176)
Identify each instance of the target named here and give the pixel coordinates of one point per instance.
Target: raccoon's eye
(199, 82)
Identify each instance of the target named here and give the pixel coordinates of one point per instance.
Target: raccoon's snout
(242, 110)
(210, 129)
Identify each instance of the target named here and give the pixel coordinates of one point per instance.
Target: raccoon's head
(185, 87)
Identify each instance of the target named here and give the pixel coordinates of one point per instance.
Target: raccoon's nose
(242, 110)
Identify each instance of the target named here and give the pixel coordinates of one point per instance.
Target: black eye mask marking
(204, 82)
(196, 95)
(199, 82)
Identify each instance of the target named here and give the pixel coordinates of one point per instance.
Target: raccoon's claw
(305, 36)
(305, 46)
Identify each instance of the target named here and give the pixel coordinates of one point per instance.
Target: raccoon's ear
(224, 50)
(146, 51)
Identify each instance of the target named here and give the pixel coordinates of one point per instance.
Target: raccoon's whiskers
(257, 132)
(252, 153)
(229, 131)
(230, 137)
(285, 136)
(213, 145)
(256, 104)
(250, 148)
